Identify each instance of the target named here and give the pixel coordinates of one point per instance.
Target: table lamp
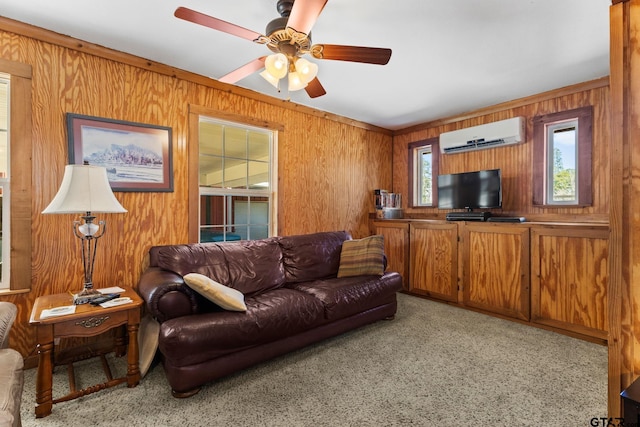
(86, 189)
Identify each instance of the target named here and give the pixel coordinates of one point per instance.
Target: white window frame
(268, 192)
(550, 129)
(5, 185)
(418, 172)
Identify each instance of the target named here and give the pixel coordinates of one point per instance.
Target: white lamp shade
(295, 82)
(307, 70)
(84, 188)
(277, 65)
(268, 77)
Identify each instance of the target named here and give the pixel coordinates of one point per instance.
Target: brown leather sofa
(291, 291)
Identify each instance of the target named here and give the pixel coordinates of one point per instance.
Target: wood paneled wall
(516, 160)
(328, 166)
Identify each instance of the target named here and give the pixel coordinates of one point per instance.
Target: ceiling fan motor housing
(285, 40)
(284, 7)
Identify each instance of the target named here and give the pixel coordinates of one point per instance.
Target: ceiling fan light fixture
(306, 70)
(296, 82)
(277, 65)
(269, 77)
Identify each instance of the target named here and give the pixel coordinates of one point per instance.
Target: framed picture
(137, 156)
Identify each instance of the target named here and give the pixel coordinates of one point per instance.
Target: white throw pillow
(224, 296)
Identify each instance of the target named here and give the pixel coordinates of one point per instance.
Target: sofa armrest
(166, 295)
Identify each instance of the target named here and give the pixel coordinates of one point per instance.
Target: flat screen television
(470, 190)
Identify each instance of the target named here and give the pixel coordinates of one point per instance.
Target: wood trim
(48, 36)
(193, 179)
(21, 179)
(619, 345)
(236, 118)
(16, 69)
(516, 103)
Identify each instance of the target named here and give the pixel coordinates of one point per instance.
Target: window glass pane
(563, 144)
(259, 144)
(258, 175)
(211, 168)
(425, 176)
(235, 173)
(422, 176)
(211, 138)
(4, 129)
(212, 210)
(235, 142)
(259, 232)
(250, 214)
(4, 184)
(212, 234)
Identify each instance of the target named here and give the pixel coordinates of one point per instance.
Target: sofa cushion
(270, 316)
(254, 265)
(249, 266)
(223, 296)
(203, 258)
(312, 256)
(362, 257)
(12, 381)
(342, 297)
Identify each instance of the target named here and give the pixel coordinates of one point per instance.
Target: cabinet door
(496, 268)
(396, 247)
(569, 278)
(434, 260)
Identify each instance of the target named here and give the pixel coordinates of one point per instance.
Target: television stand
(468, 216)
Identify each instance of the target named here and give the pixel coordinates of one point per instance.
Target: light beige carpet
(434, 365)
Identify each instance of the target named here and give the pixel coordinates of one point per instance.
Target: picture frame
(138, 156)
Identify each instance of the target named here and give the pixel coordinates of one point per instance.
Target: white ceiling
(449, 56)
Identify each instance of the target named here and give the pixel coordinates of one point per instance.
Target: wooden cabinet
(434, 259)
(495, 266)
(569, 278)
(396, 247)
(550, 274)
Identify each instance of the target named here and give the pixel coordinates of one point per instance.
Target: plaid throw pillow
(362, 257)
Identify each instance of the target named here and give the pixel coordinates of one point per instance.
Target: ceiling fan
(289, 38)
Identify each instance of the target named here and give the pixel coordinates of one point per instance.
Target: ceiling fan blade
(314, 89)
(215, 23)
(369, 55)
(244, 71)
(304, 14)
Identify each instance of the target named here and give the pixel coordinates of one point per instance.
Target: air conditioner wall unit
(490, 135)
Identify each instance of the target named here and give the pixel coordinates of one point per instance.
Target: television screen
(470, 190)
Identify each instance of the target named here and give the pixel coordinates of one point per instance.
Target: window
(5, 189)
(423, 168)
(235, 181)
(15, 176)
(562, 158)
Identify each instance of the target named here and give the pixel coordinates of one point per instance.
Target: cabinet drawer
(90, 325)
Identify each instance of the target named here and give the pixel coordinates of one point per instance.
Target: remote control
(104, 298)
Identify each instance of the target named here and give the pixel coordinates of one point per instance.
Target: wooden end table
(87, 321)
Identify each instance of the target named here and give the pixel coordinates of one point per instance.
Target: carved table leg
(44, 382)
(133, 357)
(121, 342)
